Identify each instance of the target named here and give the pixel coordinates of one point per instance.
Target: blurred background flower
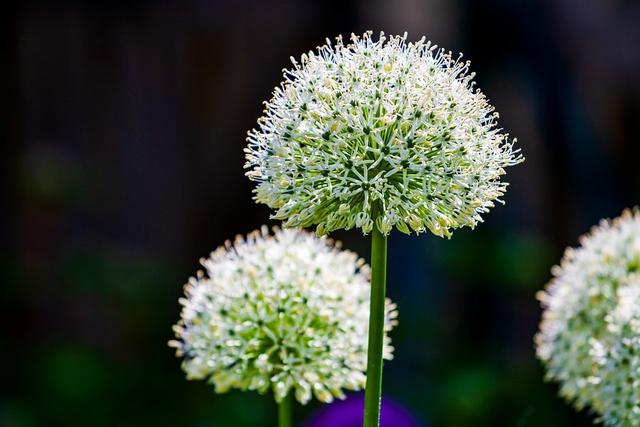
(348, 413)
(122, 164)
(285, 313)
(589, 338)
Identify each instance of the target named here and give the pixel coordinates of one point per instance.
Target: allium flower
(388, 123)
(589, 337)
(287, 312)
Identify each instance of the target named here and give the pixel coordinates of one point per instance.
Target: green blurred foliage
(511, 261)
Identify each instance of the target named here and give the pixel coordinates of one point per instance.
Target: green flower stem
(376, 328)
(284, 411)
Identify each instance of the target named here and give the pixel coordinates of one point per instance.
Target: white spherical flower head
(382, 133)
(286, 312)
(589, 336)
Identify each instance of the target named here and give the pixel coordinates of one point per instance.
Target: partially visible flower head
(382, 133)
(286, 312)
(589, 336)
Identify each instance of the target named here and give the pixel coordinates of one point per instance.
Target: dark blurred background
(122, 164)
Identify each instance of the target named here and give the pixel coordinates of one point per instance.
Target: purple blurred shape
(348, 413)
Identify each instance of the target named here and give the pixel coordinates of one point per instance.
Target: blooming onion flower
(589, 336)
(287, 312)
(389, 123)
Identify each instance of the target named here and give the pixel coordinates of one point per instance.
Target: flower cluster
(283, 312)
(382, 133)
(589, 337)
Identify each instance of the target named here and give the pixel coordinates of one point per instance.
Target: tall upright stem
(376, 328)
(284, 411)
